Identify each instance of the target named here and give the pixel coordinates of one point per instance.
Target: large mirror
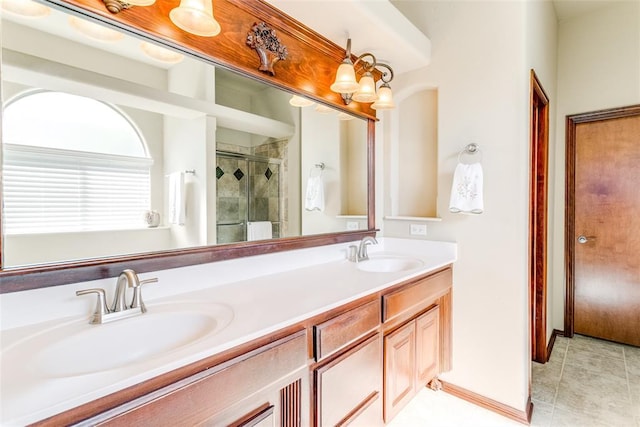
(113, 146)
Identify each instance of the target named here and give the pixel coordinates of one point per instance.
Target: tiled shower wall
(264, 198)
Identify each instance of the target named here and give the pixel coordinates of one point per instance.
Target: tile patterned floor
(586, 383)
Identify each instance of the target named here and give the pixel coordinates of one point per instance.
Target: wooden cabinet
(427, 346)
(350, 387)
(417, 340)
(338, 332)
(348, 379)
(411, 355)
(399, 369)
(265, 387)
(355, 365)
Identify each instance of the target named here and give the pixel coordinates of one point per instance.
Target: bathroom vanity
(329, 343)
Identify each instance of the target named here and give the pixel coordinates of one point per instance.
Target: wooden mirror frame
(308, 71)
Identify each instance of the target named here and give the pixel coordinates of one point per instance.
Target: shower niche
(248, 194)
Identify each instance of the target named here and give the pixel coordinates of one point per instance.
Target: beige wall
(598, 68)
(480, 64)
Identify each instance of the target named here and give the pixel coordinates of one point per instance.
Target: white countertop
(260, 305)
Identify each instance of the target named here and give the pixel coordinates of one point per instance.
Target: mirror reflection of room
(113, 146)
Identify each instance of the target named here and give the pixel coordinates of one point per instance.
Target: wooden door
(399, 369)
(604, 239)
(427, 346)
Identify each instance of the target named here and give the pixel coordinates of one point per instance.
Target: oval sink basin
(386, 263)
(80, 348)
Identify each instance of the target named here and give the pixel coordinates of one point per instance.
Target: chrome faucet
(359, 253)
(119, 308)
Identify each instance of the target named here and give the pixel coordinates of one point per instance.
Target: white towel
(177, 205)
(314, 198)
(466, 191)
(259, 230)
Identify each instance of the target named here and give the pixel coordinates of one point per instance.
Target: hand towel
(314, 198)
(466, 191)
(177, 205)
(259, 230)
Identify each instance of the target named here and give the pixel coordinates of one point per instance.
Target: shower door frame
(247, 158)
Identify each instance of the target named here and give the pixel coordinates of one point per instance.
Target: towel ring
(320, 166)
(472, 149)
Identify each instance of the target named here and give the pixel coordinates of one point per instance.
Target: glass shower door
(231, 199)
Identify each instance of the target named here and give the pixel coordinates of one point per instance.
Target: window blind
(53, 190)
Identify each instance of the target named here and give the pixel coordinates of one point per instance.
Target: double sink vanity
(303, 329)
(307, 338)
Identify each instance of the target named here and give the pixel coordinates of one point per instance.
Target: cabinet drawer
(203, 397)
(350, 386)
(416, 296)
(338, 332)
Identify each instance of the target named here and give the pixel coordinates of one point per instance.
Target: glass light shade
(345, 79)
(25, 8)
(323, 109)
(367, 89)
(385, 99)
(298, 101)
(344, 116)
(95, 31)
(195, 17)
(141, 2)
(160, 53)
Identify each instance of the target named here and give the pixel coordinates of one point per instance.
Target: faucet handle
(137, 302)
(101, 305)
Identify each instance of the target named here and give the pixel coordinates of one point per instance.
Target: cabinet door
(399, 369)
(350, 387)
(427, 346)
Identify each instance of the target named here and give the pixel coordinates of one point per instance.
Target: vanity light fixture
(323, 109)
(95, 31)
(25, 8)
(298, 101)
(161, 54)
(344, 116)
(192, 16)
(365, 90)
(195, 17)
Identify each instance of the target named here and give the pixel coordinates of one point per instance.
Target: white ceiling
(374, 26)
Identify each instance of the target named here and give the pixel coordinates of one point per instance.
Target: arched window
(71, 164)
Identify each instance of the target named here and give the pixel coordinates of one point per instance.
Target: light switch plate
(418, 229)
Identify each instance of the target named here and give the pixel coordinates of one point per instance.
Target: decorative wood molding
(291, 404)
(310, 69)
(538, 217)
(552, 341)
(23, 279)
(523, 417)
(267, 45)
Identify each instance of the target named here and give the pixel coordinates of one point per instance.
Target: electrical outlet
(418, 229)
(352, 225)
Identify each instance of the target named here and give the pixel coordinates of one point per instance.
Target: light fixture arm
(386, 77)
(368, 66)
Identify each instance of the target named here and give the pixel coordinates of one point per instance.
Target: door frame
(570, 211)
(538, 218)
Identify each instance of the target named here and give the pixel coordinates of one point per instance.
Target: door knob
(584, 239)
